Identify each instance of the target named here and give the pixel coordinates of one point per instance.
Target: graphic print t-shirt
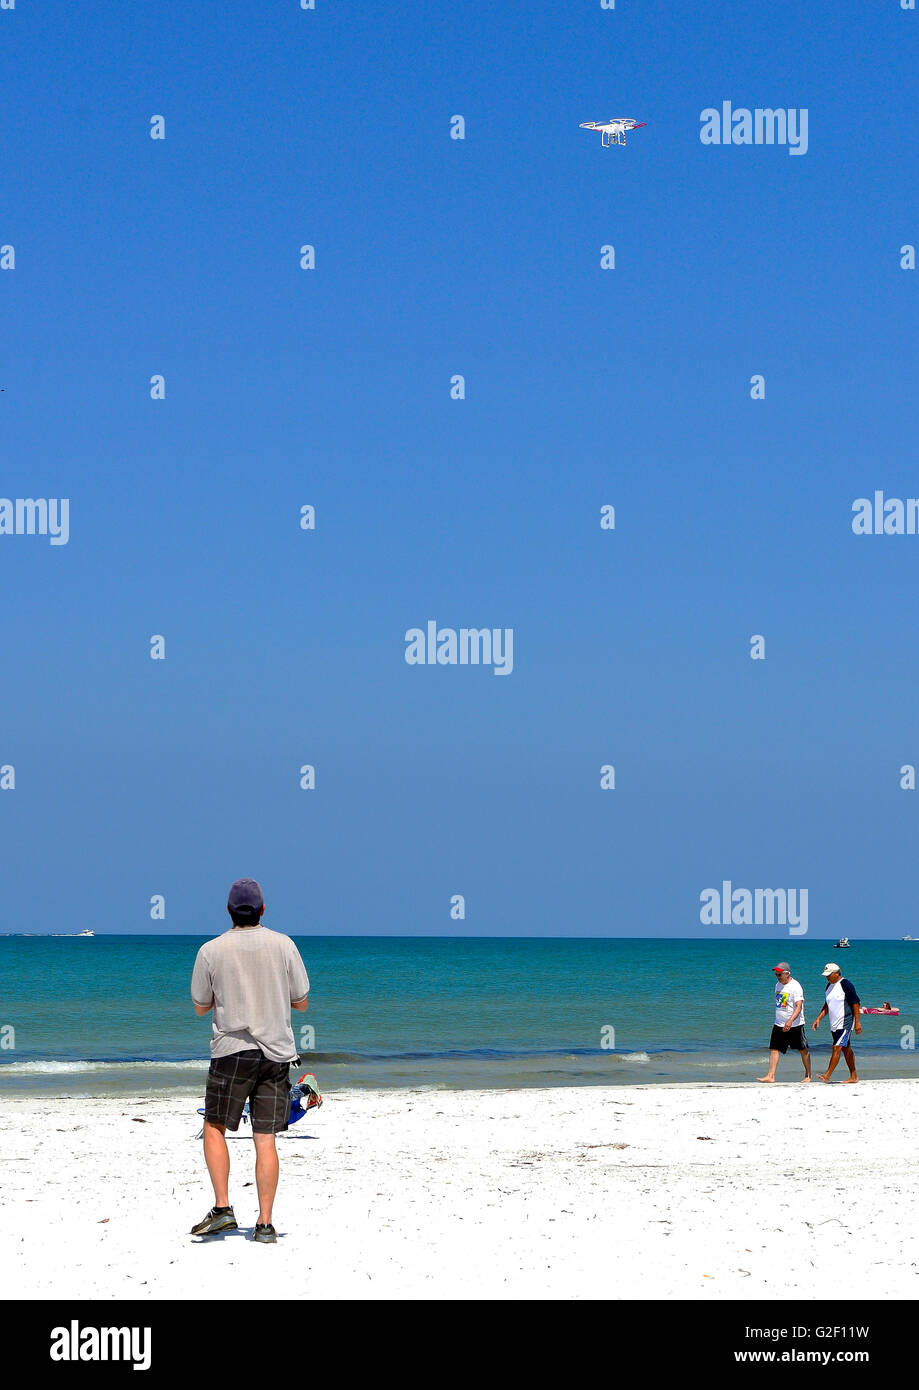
(786, 997)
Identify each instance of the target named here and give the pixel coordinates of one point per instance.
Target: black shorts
(795, 1038)
(248, 1076)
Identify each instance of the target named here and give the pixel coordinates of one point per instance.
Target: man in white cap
(844, 1008)
(788, 1030)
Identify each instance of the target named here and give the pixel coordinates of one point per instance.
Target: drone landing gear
(608, 138)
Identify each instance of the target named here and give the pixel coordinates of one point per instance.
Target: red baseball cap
(782, 967)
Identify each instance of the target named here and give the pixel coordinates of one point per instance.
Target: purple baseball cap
(245, 892)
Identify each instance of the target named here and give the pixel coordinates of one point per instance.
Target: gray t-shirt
(253, 976)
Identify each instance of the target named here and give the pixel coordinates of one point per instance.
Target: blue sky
(331, 387)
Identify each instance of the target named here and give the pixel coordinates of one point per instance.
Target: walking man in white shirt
(844, 1009)
(788, 1030)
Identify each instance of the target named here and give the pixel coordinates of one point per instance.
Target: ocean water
(113, 1013)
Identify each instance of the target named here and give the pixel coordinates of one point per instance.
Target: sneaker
(265, 1234)
(215, 1221)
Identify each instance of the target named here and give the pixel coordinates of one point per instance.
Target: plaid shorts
(248, 1076)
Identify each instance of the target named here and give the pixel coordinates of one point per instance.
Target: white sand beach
(702, 1192)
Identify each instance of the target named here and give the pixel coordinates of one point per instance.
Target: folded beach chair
(307, 1088)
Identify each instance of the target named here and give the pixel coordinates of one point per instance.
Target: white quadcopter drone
(612, 132)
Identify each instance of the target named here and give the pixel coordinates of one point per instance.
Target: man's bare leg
(806, 1059)
(266, 1175)
(850, 1063)
(217, 1158)
(773, 1063)
(834, 1059)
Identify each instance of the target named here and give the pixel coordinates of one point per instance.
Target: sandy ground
(705, 1192)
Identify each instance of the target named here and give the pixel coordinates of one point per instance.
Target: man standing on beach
(252, 978)
(844, 1008)
(788, 1029)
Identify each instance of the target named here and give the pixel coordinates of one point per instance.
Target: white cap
(831, 968)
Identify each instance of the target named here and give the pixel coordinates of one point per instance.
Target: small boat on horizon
(842, 944)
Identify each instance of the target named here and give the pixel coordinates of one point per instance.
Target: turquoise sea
(113, 1013)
